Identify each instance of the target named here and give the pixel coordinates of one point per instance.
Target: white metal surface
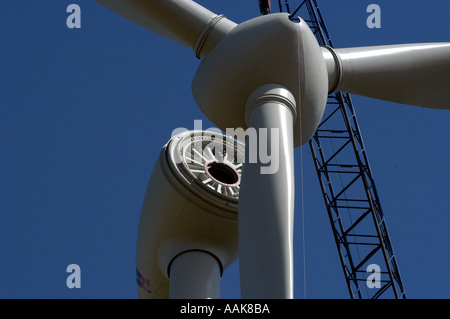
(195, 275)
(266, 206)
(416, 74)
(264, 50)
(185, 210)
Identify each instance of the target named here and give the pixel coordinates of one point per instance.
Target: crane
(348, 187)
(265, 6)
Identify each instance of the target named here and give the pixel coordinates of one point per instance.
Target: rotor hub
(269, 49)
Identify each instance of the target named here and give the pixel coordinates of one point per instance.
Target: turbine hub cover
(270, 49)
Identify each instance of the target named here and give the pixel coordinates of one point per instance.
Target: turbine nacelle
(189, 215)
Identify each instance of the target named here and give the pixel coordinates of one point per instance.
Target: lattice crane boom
(351, 199)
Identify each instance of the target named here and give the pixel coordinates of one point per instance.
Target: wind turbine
(188, 225)
(270, 73)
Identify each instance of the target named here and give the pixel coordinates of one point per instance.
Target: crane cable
(301, 183)
(303, 222)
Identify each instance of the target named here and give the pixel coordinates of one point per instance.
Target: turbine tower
(271, 74)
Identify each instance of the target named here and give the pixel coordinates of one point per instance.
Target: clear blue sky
(85, 112)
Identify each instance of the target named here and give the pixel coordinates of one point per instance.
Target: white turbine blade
(415, 74)
(266, 209)
(182, 21)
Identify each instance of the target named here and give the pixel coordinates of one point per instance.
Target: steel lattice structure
(348, 188)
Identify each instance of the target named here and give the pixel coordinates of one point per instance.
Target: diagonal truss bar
(348, 188)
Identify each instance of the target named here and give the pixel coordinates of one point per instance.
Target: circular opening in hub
(222, 173)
